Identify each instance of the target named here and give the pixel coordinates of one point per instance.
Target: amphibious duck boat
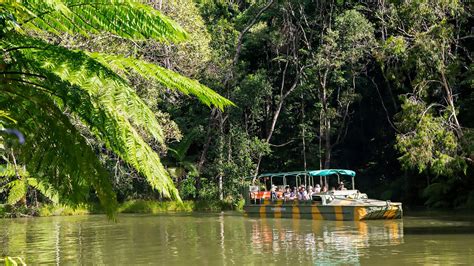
(343, 204)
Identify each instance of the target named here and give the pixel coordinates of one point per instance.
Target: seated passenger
(279, 193)
(317, 188)
(287, 193)
(273, 194)
(325, 189)
(341, 186)
(303, 194)
(309, 193)
(293, 194)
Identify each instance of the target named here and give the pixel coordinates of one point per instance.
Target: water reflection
(214, 239)
(325, 241)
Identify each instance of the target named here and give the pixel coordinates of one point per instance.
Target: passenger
(287, 193)
(304, 193)
(310, 193)
(341, 186)
(294, 194)
(273, 194)
(317, 188)
(325, 188)
(279, 193)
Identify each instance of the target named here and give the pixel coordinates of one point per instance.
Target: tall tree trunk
(303, 131)
(327, 143)
(207, 144)
(283, 96)
(220, 160)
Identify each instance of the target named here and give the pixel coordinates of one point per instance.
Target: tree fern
(44, 86)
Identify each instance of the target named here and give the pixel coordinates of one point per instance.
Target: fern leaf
(54, 149)
(77, 68)
(44, 189)
(165, 76)
(129, 19)
(17, 191)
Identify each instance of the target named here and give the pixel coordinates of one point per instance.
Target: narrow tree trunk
(220, 161)
(303, 131)
(450, 100)
(327, 144)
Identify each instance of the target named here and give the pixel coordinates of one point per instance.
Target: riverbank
(131, 206)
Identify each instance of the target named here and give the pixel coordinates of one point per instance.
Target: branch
(246, 29)
(22, 73)
(21, 47)
(280, 145)
(383, 106)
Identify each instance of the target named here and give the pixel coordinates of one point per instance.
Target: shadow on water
(427, 222)
(439, 230)
(442, 215)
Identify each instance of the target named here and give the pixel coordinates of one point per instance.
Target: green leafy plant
(13, 261)
(16, 180)
(50, 90)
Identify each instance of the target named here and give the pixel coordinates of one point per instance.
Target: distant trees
(380, 87)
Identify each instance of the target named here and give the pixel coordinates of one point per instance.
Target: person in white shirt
(317, 188)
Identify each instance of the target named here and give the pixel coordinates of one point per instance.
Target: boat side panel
(308, 211)
(319, 212)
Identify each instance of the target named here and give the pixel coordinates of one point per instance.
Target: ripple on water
(215, 239)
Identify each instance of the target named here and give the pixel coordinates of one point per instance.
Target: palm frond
(128, 19)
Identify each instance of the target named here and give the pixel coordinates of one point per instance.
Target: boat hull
(302, 210)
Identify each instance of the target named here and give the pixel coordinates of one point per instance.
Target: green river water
(230, 239)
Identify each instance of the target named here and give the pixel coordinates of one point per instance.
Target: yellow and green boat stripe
(306, 210)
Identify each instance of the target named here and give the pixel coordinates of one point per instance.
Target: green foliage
(166, 77)
(241, 164)
(52, 90)
(187, 188)
(128, 19)
(426, 143)
(154, 207)
(63, 210)
(18, 187)
(387, 86)
(13, 261)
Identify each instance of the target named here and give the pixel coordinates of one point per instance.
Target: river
(230, 239)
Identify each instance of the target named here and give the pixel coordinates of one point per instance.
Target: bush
(154, 207)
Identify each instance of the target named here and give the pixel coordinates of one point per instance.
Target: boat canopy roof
(324, 172)
(327, 172)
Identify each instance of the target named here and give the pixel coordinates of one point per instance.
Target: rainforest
(109, 105)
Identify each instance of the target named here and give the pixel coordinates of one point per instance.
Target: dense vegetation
(381, 87)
